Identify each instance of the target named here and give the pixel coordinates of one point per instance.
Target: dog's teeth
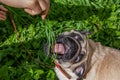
(81, 71)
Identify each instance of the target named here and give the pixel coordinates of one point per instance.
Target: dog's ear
(83, 32)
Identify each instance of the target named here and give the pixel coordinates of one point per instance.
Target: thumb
(43, 15)
(3, 8)
(45, 6)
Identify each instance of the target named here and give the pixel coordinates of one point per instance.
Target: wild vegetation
(22, 54)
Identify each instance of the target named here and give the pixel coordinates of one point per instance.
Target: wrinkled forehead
(74, 34)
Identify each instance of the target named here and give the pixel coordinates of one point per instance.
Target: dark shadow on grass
(5, 30)
(24, 51)
(62, 12)
(16, 58)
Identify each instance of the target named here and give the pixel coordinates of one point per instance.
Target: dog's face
(70, 48)
(79, 58)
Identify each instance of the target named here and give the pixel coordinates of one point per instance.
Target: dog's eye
(77, 59)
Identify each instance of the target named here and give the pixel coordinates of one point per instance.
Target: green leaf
(50, 75)
(37, 74)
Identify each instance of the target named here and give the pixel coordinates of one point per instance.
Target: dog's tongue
(59, 48)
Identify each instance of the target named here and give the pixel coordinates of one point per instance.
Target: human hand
(38, 7)
(33, 7)
(3, 11)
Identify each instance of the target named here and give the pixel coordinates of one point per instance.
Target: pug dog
(79, 58)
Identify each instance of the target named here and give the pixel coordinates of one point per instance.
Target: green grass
(25, 59)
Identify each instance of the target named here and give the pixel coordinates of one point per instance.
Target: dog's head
(70, 48)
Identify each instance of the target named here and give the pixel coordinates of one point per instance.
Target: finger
(2, 19)
(3, 8)
(32, 12)
(45, 5)
(2, 16)
(43, 15)
(2, 13)
(42, 4)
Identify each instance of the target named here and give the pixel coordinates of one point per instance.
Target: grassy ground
(23, 58)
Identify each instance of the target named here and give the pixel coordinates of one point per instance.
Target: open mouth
(61, 48)
(65, 48)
